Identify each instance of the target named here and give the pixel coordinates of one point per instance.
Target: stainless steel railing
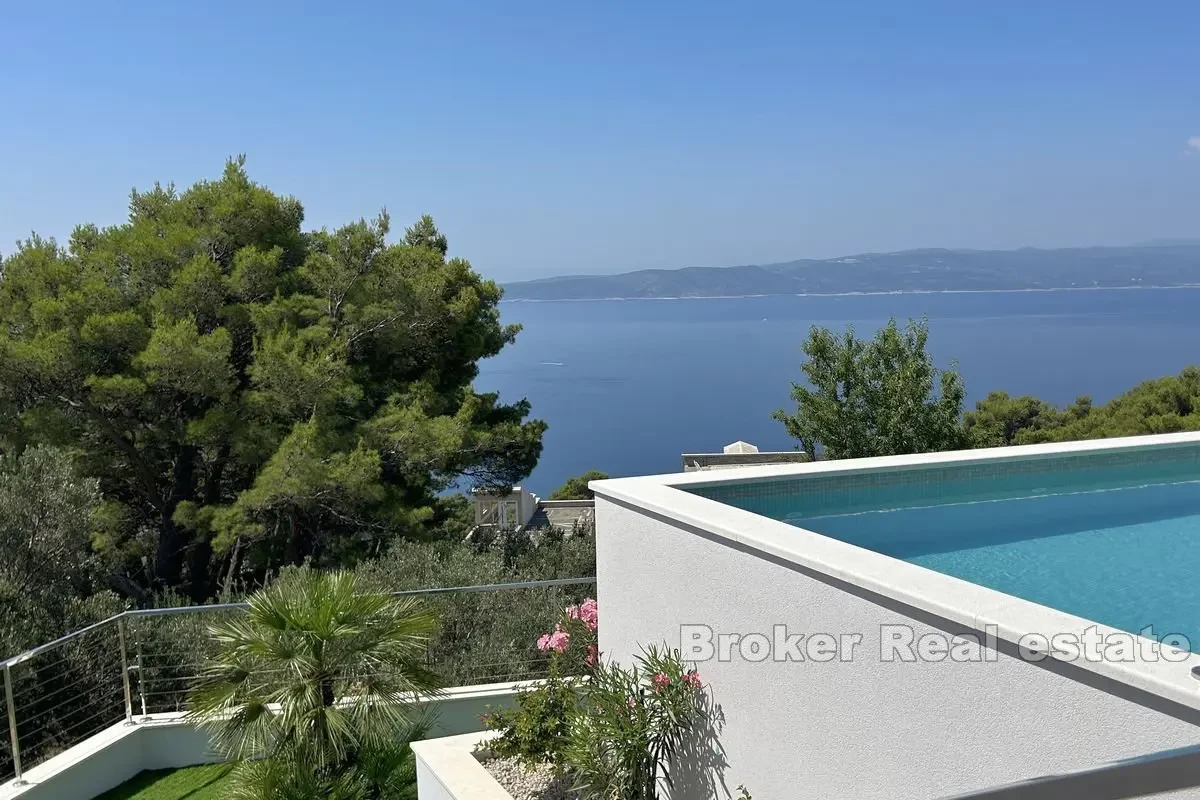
(146, 661)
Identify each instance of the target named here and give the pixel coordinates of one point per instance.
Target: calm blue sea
(628, 385)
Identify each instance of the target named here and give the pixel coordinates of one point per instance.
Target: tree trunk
(168, 561)
(231, 570)
(293, 552)
(173, 541)
(202, 578)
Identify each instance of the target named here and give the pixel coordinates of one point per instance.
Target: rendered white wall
(448, 770)
(864, 729)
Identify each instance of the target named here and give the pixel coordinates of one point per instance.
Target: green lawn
(206, 782)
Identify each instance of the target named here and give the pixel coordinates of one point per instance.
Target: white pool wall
(868, 727)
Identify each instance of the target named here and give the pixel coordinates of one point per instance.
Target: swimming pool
(989, 593)
(1113, 537)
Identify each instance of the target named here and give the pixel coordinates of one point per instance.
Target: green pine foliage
(248, 393)
(1163, 405)
(1001, 420)
(874, 397)
(576, 487)
(884, 396)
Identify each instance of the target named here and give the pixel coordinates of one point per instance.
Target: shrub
(616, 730)
(537, 729)
(487, 637)
(625, 732)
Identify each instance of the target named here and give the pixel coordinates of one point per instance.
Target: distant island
(926, 270)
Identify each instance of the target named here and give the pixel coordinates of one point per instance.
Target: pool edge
(945, 597)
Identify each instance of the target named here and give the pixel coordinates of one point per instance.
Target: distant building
(740, 454)
(522, 510)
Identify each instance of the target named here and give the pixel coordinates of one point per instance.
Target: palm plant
(313, 689)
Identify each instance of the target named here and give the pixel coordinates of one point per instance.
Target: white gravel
(539, 783)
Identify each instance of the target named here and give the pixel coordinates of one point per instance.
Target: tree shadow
(218, 775)
(698, 768)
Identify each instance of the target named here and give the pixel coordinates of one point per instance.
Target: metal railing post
(140, 676)
(12, 723)
(125, 671)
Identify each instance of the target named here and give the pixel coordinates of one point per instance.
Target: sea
(627, 386)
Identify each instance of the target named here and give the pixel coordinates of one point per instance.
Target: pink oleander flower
(692, 679)
(589, 613)
(593, 655)
(660, 681)
(558, 641)
(631, 703)
(543, 642)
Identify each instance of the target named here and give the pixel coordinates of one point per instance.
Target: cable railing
(146, 661)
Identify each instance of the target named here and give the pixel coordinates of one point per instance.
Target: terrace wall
(161, 741)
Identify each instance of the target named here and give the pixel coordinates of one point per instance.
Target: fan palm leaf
(314, 674)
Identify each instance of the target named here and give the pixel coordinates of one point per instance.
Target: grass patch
(206, 782)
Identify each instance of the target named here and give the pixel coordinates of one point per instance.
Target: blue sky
(600, 137)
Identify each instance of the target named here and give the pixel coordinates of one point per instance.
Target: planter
(453, 768)
(449, 769)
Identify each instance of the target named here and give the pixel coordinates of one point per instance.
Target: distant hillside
(1167, 264)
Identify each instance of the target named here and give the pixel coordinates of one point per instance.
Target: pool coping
(946, 597)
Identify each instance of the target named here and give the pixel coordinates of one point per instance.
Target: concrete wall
(863, 728)
(448, 770)
(112, 757)
(162, 741)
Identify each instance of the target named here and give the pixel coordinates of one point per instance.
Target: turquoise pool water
(1113, 538)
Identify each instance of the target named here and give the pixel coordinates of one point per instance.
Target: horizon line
(1182, 241)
